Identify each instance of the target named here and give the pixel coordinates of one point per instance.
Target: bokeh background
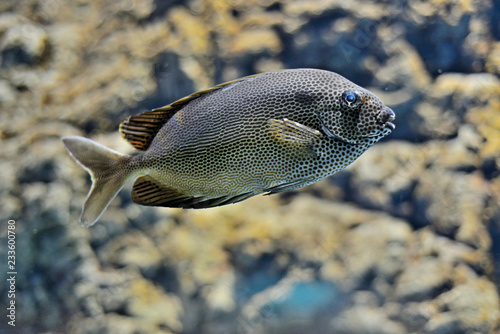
(405, 240)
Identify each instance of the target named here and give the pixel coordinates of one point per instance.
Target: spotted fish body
(266, 133)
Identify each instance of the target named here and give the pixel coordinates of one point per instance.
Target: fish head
(353, 115)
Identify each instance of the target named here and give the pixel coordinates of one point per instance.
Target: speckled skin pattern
(267, 133)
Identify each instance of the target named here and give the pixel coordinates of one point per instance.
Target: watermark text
(11, 272)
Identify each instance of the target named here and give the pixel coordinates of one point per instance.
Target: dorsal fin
(140, 130)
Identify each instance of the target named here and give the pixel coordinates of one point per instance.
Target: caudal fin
(108, 170)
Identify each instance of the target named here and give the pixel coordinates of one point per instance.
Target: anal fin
(288, 186)
(148, 191)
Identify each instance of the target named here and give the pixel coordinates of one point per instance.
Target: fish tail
(109, 171)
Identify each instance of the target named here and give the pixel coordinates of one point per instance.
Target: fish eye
(351, 99)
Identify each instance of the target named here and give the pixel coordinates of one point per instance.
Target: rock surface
(406, 240)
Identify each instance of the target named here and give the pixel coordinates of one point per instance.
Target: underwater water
(405, 240)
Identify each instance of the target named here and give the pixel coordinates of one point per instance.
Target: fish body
(266, 133)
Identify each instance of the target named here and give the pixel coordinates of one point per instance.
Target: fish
(262, 134)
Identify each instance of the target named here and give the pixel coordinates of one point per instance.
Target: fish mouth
(387, 117)
(389, 126)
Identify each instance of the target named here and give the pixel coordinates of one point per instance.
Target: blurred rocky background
(406, 240)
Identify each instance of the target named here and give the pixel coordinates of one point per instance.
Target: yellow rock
(493, 60)
(152, 303)
(251, 41)
(487, 121)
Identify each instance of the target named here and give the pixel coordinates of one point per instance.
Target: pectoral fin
(292, 133)
(288, 130)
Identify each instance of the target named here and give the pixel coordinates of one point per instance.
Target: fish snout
(386, 117)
